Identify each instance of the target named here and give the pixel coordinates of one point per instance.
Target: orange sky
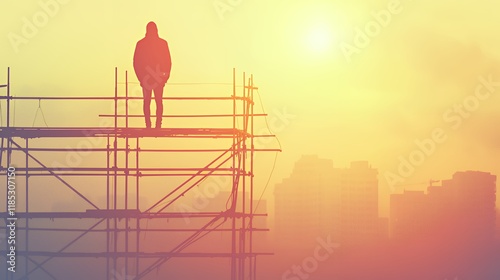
(396, 87)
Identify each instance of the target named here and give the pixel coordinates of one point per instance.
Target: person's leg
(159, 105)
(147, 106)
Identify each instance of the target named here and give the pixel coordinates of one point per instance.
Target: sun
(319, 38)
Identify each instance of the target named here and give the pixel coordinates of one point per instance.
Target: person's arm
(168, 61)
(138, 68)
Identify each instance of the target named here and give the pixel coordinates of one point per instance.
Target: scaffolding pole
(120, 221)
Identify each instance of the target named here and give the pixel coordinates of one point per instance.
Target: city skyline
(313, 171)
(249, 140)
(448, 228)
(390, 91)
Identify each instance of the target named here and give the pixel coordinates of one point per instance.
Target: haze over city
(407, 89)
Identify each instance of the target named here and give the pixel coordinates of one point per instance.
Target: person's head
(151, 29)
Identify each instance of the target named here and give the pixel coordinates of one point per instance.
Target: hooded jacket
(152, 61)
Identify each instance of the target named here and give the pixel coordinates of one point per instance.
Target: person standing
(152, 65)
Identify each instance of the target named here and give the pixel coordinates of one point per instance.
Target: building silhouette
(498, 226)
(307, 204)
(406, 217)
(460, 211)
(445, 232)
(448, 230)
(359, 222)
(320, 200)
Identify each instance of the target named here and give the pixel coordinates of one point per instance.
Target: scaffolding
(121, 224)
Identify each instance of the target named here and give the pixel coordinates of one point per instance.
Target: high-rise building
(498, 225)
(320, 200)
(406, 214)
(461, 211)
(306, 203)
(474, 197)
(359, 221)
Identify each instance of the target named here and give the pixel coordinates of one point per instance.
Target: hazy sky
(330, 89)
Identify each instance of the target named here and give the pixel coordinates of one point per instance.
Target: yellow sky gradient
(372, 105)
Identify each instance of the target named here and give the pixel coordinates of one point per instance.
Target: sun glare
(319, 38)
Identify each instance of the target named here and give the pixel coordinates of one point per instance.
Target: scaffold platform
(120, 223)
(120, 132)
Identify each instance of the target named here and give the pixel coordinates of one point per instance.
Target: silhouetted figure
(152, 65)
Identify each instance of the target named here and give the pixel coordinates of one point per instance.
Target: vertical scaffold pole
(115, 166)
(126, 173)
(233, 213)
(8, 97)
(107, 205)
(8, 150)
(7, 160)
(252, 272)
(9, 139)
(138, 225)
(241, 173)
(27, 205)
